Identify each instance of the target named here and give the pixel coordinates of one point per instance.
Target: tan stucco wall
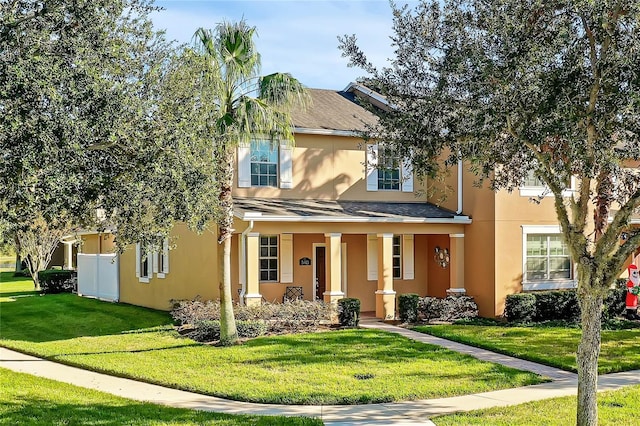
(329, 168)
(479, 245)
(438, 276)
(97, 243)
(192, 272)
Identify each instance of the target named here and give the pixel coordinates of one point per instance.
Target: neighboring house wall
(192, 272)
(97, 243)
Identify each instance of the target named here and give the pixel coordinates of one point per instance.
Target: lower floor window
(397, 257)
(268, 258)
(547, 258)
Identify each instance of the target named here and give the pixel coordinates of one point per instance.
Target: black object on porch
(292, 293)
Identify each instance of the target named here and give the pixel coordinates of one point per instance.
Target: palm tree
(247, 104)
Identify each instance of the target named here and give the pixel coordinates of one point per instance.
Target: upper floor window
(386, 171)
(264, 163)
(533, 186)
(533, 181)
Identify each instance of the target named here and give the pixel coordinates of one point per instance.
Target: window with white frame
(397, 257)
(144, 263)
(547, 262)
(264, 163)
(388, 170)
(161, 264)
(269, 258)
(533, 186)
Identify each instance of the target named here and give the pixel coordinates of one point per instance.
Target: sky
(294, 36)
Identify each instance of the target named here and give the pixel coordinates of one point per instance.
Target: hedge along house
(318, 219)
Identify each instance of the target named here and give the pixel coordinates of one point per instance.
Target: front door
(320, 272)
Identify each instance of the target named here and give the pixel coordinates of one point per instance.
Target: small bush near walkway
(451, 308)
(349, 312)
(408, 307)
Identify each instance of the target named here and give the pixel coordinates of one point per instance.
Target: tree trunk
(228, 330)
(587, 358)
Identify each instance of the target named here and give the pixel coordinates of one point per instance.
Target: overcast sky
(295, 36)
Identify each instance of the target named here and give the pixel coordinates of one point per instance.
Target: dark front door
(320, 272)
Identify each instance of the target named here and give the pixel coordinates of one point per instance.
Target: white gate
(98, 276)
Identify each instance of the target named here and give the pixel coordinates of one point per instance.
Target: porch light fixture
(442, 257)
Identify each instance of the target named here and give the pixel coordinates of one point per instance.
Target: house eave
(325, 132)
(258, 217)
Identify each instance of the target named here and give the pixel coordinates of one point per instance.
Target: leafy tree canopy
(98, 111)
(549, 88)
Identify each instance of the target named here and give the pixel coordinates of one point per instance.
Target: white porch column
(385, 295)
(333, 268)
(456, 267)
(253, 296)
(68, 255)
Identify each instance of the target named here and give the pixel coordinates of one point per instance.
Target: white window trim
(542, 191)
(284, 165)
(286, 258)
(543, 284)
(371, 178)
(408, 257)
(165, 263)
(372, 257)
(150, 265)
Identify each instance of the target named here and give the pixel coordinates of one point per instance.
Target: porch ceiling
(268, 209)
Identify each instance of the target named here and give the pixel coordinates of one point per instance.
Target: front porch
(370, 253)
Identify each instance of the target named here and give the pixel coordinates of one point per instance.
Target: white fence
(98, 276)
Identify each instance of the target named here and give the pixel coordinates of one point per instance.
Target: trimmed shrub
(193, 311)
(291, 316)
(408, 307)
(451, 308)
(557, 306)
(349, 312)
(53, 281)
(520, 307)
(209, 330)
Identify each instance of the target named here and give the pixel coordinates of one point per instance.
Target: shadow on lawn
(67, 316)
(46, 411)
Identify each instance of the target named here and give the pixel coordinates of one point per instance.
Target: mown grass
(554, 346)
(614, 408)
(340, 367)
(11, 286)
(30, 400)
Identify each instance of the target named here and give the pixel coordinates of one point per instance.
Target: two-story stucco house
(319, 217)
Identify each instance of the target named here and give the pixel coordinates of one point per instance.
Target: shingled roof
(266, 209)
(332, 110)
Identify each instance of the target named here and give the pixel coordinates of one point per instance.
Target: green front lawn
(614, 408)
(14, 286)
(30, 400)
(554, 346)
(340, 367)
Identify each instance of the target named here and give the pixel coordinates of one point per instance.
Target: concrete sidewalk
(400, 413)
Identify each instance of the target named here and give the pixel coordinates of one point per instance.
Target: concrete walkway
(400, 413)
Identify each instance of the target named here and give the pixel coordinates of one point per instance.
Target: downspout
(243, 261)
(459, 210)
